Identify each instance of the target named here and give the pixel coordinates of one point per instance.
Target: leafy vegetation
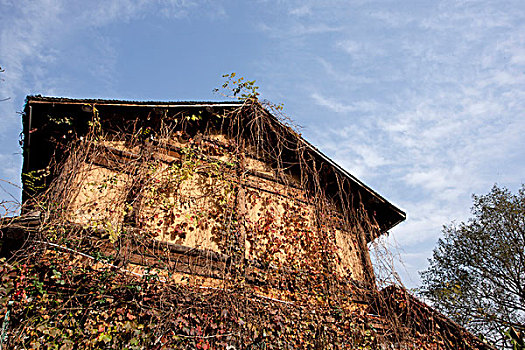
(116, 261)
(240, 87)
(477, 272)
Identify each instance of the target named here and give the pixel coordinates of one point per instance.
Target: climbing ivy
(116, 261)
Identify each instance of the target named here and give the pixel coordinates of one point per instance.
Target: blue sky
(422, 100)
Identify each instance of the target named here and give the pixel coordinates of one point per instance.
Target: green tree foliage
(241, 88)
(477, 273)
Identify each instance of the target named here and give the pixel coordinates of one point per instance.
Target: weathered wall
(189, 194)
(98, 197)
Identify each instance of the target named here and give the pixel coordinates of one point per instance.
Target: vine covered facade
(208, 225)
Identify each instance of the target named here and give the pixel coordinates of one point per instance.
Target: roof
(109, 102)
(396, 302)
(388, 215)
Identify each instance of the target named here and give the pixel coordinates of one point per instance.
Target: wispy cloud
(299, 29)
(301, 10)
(32, 33)
(348, 77)
(426, 106)
(339, 107)
(360, 50)
(423, 101)
(39, 42)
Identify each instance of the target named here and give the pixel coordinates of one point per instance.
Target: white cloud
(451, 125)
(392, 19)
(425, 102)
(347, 77)
(301, 11)
(32, 30)
(360, 50)
(338, 107)
(41, 39)
(518, 56)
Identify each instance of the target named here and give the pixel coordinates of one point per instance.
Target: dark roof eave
(150, 104)
(401, 214)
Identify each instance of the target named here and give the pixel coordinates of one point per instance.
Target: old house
(221, 197)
